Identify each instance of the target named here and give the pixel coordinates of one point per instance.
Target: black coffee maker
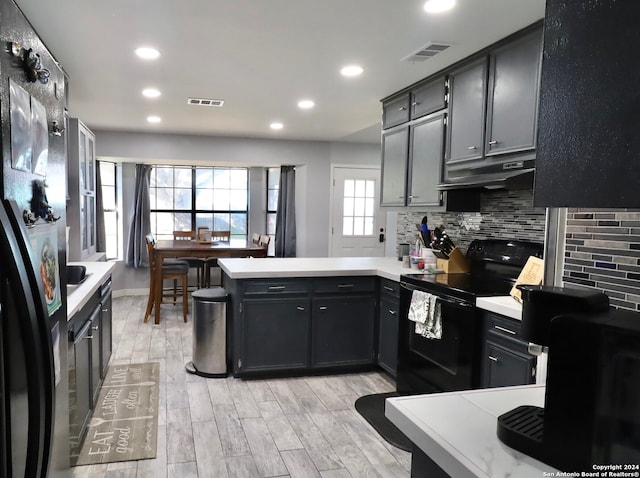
(591, 413)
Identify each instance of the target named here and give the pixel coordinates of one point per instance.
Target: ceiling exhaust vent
(429, 50)
(205, 102)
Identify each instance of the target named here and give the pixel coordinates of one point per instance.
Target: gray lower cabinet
(80, 397)
(106, 335)
(275, 335)
(343, 331)
(96, 339)
(505, 360)
(395, 154)
(388, 317)
(88, 356)
(302, 324)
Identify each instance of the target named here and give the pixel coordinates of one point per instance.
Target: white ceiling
(259, 56)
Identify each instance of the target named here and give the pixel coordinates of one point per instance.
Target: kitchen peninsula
(305, 315)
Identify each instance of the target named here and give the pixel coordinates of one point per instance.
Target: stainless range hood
(520, 179)
(490, 174)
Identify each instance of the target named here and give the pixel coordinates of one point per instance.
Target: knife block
(456, 263)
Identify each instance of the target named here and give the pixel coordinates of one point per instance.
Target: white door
(356, 220)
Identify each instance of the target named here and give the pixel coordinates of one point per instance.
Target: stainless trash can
(209, 357)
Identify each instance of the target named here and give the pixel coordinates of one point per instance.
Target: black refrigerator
(27, 374)
(34, 394)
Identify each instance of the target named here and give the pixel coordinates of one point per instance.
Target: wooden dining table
(172, 248)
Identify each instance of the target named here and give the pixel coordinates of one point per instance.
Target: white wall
(312, 159)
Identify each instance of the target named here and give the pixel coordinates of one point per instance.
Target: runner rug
(124, 425)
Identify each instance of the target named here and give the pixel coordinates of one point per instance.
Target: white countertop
(78, 296)
(503, 305)
(457, 430)
(270, 267)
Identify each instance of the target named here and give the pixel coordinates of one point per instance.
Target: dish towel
(424, 310)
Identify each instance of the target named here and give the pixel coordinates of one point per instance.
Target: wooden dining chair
(221, 236)
(264, 240)
(171, 270)
(196, 263)
(255, 238)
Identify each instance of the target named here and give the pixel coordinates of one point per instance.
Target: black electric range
(494, 267)
(453, 361)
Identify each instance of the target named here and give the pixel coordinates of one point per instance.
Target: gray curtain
(140, 220)
(101, 239)
(285, 245)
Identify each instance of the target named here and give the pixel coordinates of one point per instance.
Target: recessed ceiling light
(306, 104)
(151, 92)
(438, 6)
(154, 119)
(147, 53)
(276, 125)
(351, 70)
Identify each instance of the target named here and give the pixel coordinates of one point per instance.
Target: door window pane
(358, 209)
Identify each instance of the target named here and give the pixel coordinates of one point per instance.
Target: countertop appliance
(591, 413)
(453, 361)
(34, 395)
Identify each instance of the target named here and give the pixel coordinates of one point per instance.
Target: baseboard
(128, 292)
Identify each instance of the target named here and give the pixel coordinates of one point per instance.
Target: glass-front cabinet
(81, 206)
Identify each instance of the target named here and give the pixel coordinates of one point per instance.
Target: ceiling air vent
(205, 102)
(429, 50)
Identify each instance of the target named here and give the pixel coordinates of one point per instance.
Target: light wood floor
(226, 428)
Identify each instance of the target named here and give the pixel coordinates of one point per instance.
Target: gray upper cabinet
(428, 98)
(514, 81)
(395, 153)
(467, 107)
(425, 167)
(396, 111)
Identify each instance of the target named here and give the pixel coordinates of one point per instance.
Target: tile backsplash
(602, 252)
(504, 214)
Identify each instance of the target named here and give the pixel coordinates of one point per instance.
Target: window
(109, 204)
(186, 197)
(358, 213)
(273, 187)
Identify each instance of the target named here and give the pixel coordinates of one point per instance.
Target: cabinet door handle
(323, 307)
(392, 312)
(399, 197)
(416, 103)
(493, 142)
(471, 148)
(493, 358)
(390, 289)
(502, 329)
(345, 286)
(105, 310)
(277, 287)
(95, 327)
(402, 108)
(300, 308)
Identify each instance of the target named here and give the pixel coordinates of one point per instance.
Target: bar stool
(171, 270)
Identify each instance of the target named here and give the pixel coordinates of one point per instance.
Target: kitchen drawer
(270, 286)
(390, 289)
(344, 284)
(505, 327)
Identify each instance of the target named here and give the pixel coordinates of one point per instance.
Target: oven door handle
(455, 302)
